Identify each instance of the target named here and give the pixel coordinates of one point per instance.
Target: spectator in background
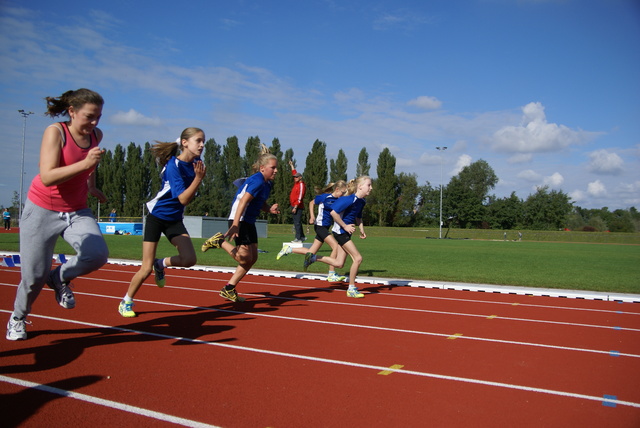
(6, 218)
(113, 215)
(296, 199)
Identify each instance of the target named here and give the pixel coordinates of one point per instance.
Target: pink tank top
(72, 194)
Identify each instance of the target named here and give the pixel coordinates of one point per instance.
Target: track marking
(357, 365)
(388, 329)
(390, 370)
(293, 276)
(107, 403)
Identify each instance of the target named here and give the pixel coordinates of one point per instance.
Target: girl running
(57, 206)
(322, 225)
(181, 176)
(347, 214)
(250, 199)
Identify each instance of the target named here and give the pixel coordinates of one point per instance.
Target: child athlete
(181, 176)
(57, 206)
(250, 199)
(322, 226)
(347, 214)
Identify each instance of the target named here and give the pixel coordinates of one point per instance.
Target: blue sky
(546, 91)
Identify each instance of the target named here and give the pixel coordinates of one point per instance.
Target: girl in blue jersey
(347, 214)
(250, 199)
(322, 225)
(181, 176)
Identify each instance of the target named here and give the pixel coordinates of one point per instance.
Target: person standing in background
(296, 199)
(6, 218)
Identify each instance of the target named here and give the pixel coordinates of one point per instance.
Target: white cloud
(529, 175)
(535, 134)
(604, 162)
(133, 118)
(426, 103)
(463, 160)
(596, 188)
(554, 180)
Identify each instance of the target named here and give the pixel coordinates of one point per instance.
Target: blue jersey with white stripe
(257, 187)
(350, 208)
(177, 176)
(324, 203)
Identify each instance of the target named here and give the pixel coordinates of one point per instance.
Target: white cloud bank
(604, 162)
(535, 135)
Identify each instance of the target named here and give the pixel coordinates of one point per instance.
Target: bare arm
(51, 173)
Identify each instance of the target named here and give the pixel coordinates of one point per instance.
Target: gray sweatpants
(39, 231)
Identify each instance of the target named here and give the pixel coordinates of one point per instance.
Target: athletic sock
(332, 272)
(229, 287)
(127, 299)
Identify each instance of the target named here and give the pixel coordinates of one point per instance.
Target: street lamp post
(24, 114)
(441, 149)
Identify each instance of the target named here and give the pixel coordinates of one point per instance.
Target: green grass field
(610, 267)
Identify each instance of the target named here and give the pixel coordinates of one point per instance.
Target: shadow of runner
(20, 406)
(189, 324)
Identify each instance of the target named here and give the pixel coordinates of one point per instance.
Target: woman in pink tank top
(57, 206)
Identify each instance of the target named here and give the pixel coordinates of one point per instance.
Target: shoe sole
(9, 337)
(127, 316)
(238, 299)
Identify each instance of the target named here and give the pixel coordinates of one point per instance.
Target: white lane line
(484, 316)
(289, 275)
(377, 369)
(107, 403)
(389, 329)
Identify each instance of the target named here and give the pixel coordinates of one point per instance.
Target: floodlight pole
(24, 114)
(441, 149)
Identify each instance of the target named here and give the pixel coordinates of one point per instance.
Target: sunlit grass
(592, 267)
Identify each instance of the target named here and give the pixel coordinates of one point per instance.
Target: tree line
(129, 178)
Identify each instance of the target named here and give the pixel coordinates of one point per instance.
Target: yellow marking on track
(391, 369)
(490, 317)
(515, 304)
(454, 336)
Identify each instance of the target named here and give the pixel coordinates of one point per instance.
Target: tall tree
(363, 166)
(113, 179)
(280, 191)
(338, 168)
(315, 170)
(385, 188)
(135, 191)
(252, 150)
(233, 160)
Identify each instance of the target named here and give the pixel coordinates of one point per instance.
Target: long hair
(163, 151)
(59, 106)
(331, 187)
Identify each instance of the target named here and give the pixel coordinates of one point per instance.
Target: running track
(299, 353)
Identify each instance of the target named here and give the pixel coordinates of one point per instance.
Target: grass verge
(559, 265)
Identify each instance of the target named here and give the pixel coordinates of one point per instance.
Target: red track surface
(299, 353)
